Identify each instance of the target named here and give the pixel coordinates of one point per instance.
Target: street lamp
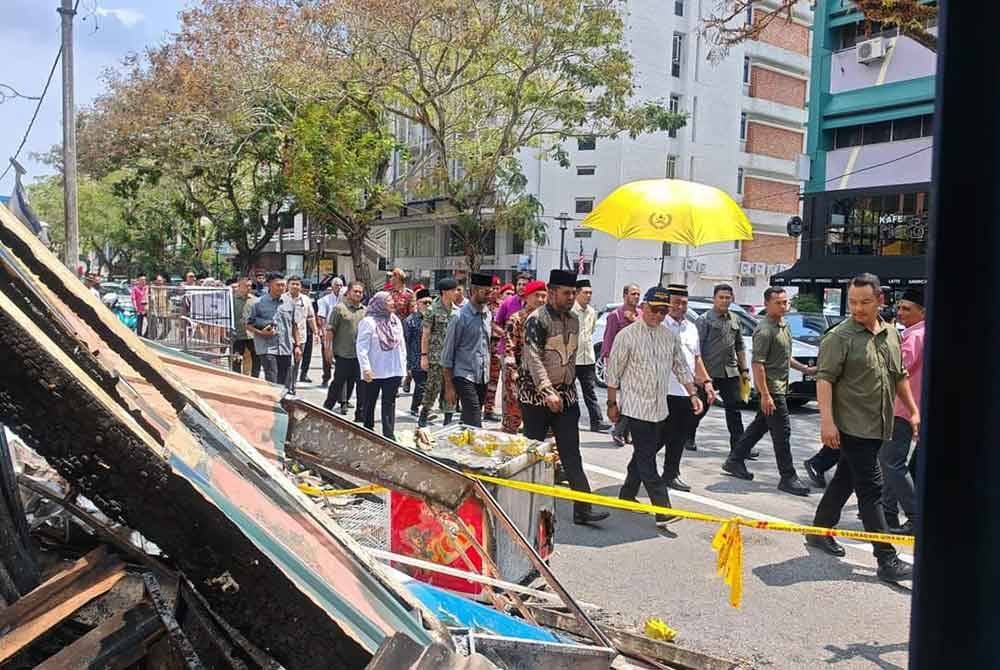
(563, 218)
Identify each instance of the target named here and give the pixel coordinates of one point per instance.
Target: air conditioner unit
(871, 50)
(746, 268)
(759, 268)
(690, 265)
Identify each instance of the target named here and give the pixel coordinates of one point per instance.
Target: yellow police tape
(728, 543)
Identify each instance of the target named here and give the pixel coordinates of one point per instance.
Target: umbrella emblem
(659, 220)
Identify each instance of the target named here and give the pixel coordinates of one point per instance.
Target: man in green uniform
(860, 373)
(435, 327)
(772, 355)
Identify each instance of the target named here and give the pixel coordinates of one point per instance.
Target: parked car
(801, 389)
(811, 326)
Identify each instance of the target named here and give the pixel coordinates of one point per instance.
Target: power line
(38, 107)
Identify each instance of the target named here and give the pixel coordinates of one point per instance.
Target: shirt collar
(915, 327)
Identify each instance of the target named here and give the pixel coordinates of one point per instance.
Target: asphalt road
(801, 608)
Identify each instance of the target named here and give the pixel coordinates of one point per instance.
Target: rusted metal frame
(102, 530)
(178, 640)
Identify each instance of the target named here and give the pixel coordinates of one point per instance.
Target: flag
(579, 261)
(21, 209)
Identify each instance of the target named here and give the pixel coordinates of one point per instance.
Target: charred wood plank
(118, 643)
(15, 544)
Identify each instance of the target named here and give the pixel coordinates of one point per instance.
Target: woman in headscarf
(381, 352)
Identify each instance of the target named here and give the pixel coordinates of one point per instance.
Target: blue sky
(106, 31)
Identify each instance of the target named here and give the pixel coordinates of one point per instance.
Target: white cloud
(127, 17)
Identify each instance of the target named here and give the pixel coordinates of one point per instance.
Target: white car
(800, 389)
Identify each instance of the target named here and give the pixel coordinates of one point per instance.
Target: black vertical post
(956, 599)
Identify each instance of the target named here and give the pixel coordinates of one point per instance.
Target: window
(743, 126)
(584, 205)
(906, 129)
(675, 108)
(586, 170)
(879, 225)
(586, 143)
(746, 69)
(896, 130)
(927, 125)
(516, 244)
(748, 282)
(286, 220)
(409, 242)
(876, 133)
(671, 172)
(583, 233)
(739, 181)
(677, 55)
(678, 7)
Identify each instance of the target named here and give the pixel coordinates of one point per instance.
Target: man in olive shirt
(342, 337)
(772, 355)
(860, 373)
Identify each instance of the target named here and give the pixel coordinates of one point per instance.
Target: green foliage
(806, 302)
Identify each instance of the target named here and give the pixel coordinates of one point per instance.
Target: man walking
(894, 456)
(585, 360)
(495, 358)
(341, 339)
(140, 299)
(305, 322)
(681, 416)
(508, 307)
(772, 355)
(639, 370)
(434, 330)
(323, 308)
(244, 357)
(861, 373)
(465, 358)
(535, 294)
(402, 297)
(722, 351)
(618, 319)
(275, 337)
(413, 328)
(548, 384)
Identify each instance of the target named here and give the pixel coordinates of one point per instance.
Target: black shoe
(628, 438)
(893, 570)
(618, 440)
(589, 517)
(325, 383)
(491, 416)
(348, 404)
(665, 519)
(343, 410)
(447, 419)
(627, 498)
(905, 529)
(305, 380)
(793, 485)
(754, 454)
(600, 427)
(414, 412)
(422, 421)
(690, 445)
(827, 544)
(406, 387)
(814, 475)
(560, 475)
(678, 484)
(737, 469)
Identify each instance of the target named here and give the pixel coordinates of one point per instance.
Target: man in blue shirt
(466, 355)
(275, 337)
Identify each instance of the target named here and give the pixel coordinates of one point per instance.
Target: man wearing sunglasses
(639, 374)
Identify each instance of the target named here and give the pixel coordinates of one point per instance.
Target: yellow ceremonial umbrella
(670, 210)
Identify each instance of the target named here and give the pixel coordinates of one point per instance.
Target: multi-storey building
(745, 134)
(871, 107)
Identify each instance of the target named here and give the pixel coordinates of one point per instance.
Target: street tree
(727, 26)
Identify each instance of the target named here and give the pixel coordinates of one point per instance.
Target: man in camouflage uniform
(435, 327)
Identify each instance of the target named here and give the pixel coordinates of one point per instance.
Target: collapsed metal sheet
(88, 395)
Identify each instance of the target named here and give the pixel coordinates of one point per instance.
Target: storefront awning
(836, 271)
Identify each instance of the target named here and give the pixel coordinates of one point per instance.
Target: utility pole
(563, 219)
(72, 251)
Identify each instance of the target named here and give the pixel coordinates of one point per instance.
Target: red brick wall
(776, 87)
(770, 141)
(769, 249)
(784, 34)
(771, 196)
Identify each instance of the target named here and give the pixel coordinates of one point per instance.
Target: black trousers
(346, 374)
(419, 384)
(276, 368)
(245, 348)
(470, 397)
(729, 389)
(588, 384)
(857, 472)
(387, 388)
(307, 352)
(678, 426)
(565, 426)
(647, 439)
(825, 459)
(140, 321)
(780, 426)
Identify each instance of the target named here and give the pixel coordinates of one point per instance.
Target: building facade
(871, 112)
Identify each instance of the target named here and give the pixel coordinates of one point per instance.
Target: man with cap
(548, 384)
(681, 417)
(433, 330)
(644, 358)
(772, 356)
(894, 454)
(495, 358)
(465, 358)
(585, 359)
(413, 328)
(535, 295)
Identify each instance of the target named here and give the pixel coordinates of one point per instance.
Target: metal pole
(72, 251)
(562, 219)
(663, 257)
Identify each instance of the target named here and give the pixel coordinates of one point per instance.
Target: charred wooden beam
(117, 643)
(21, 571)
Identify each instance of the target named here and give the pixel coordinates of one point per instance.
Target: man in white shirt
(639, 375)
(323, 308)
(305, 322)
(681, 416)
(585, 359)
